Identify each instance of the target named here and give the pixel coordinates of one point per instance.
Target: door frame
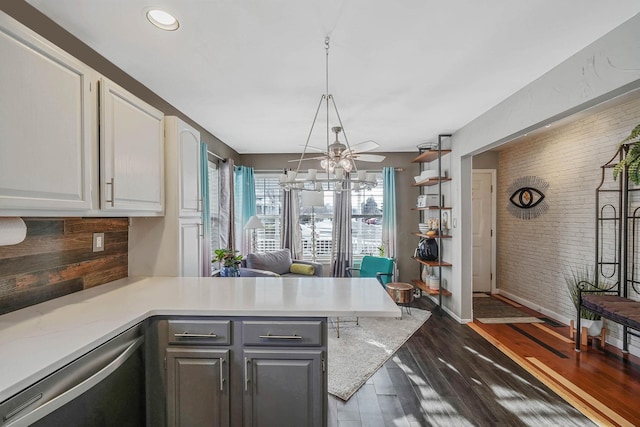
(494, 204)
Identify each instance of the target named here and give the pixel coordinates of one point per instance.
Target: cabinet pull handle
(189, 335)
(113, 191)
(246, 374)
(281, 337)
(221, 375)
(22, 407)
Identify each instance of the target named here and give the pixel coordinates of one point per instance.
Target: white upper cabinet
(131, 153)
(52, 160)
(183, 153)
(46, 134)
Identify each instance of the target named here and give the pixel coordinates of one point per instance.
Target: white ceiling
(401, 71)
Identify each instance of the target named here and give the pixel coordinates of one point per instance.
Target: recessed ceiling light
(163, 20)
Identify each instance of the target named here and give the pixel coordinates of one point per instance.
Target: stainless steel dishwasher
(103, 388)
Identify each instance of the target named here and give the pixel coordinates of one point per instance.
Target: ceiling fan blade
(308, 158)
(369, 157)
(365, 146)
(311, 147)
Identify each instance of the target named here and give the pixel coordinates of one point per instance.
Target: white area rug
(362, 350)
(494, 320)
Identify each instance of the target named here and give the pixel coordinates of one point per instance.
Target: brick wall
(56, 259)
(532, 255)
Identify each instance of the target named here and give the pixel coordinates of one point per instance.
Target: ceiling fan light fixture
(162, 19)
(346, 164)
(336, 162)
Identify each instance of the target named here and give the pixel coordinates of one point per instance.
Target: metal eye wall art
(526, 197)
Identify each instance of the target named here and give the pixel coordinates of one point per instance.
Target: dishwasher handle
(73, 392)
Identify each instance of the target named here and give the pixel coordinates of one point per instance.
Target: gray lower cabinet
(283, 388)
(239, 372)
(197, 387)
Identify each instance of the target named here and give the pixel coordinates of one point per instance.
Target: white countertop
(40, 339)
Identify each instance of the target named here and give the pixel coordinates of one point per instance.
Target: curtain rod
(216, 156)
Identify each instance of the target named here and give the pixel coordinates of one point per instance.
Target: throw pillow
(277, 261)
(304, 269)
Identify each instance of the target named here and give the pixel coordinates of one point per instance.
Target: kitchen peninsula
(41, 339)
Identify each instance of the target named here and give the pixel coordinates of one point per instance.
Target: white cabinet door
(131, 152)
(190, 247)
(45, 124)
(183, 167)
(190, 197)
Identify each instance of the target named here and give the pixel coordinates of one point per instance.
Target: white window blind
(366, 220)
(268, 209)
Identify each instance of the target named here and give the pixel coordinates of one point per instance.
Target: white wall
(607, 68)
(534, 254)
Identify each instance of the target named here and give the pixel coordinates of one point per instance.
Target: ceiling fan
(339, 159)
(338, 154)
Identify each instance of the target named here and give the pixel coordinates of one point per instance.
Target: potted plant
(583, 279)
(228, 262)
(632, 160)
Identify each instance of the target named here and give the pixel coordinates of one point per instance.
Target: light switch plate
(98, 242)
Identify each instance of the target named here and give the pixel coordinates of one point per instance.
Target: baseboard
(556, 316)
(634, 350)
(446, 310)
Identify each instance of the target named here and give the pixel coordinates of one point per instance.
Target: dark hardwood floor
(449, 374)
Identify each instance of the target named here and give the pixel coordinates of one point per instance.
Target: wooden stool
(401, 293)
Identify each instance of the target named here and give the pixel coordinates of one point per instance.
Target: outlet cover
(98, 242)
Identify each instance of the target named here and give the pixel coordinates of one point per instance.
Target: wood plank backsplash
(56, 259)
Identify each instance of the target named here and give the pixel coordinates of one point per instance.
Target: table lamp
(253, 224)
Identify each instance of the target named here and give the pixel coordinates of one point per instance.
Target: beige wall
(486, 160)
(533, 255)
(406, 196)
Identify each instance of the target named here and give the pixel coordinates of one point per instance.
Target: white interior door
(483, 212)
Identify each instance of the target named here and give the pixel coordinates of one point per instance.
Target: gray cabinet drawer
(210, 332)
(282, 333)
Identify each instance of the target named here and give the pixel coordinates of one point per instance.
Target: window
(366, 220)
(268, 209)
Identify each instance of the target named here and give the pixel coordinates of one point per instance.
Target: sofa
(278, 264)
